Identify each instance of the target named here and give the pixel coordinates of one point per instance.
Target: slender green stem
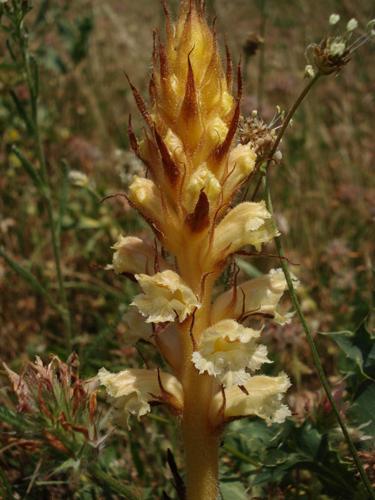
(262, 58)
(284, 265)
(284, 126)
(102, 477)
(314, 351)
(32, 85)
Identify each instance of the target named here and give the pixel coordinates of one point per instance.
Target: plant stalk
(284, 126)
(56, 246)
(314, 351)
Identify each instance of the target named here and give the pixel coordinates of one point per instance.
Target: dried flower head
(60, 407)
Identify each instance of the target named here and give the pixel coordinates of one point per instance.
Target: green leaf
(359, 347)
(5, 486)
(233, 491)
(30, 170)
(22, 112)
(363, 409)
(11, 418)
(27, 276)
(248, 268)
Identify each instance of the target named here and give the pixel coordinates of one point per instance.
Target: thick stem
(201, 440)
(201, 443)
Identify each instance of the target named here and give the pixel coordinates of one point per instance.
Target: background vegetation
(58, 163)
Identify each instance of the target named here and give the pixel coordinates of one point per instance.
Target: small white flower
(261, 396)
(227, 349)
(337, 47)
(352, 24)
(77, 178)
(136, 388)
(309, 71)
(166, 297)
(334, 19)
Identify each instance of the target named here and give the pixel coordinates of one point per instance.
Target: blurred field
(324, 197)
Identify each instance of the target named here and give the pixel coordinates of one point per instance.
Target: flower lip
(227, 350)
(166, 297)
(259, 296)
(135, 389)
(260, 396)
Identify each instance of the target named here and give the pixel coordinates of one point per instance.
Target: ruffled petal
(227, 350)
(260, 396)
(248, 223)
(166, 297)
(259, 296)
(135, 389)
(133, 255)
(136, 327)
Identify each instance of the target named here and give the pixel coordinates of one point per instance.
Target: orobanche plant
(209, 338)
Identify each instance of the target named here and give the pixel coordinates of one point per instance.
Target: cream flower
(261, 396)
(204, 179)
(132, 255)
(166, 297)
(257, 296)
(136, 327)
(227, 349)
(136, 388)
(248, 223)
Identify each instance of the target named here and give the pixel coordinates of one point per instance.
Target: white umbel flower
(165, 297)
(227, 350)
(334, 19)
(352, 24)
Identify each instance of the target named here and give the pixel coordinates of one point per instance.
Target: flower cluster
(194, 168)
(336, 49)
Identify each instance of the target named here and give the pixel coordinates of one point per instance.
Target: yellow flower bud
(240, 165)
(145, 196)
(202, 179)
